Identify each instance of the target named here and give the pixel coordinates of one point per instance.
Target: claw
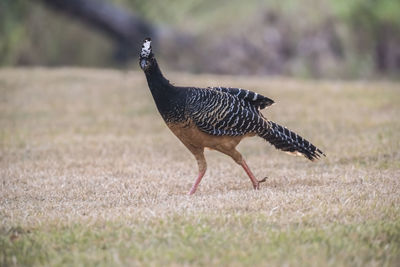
(263, 180)
(257, 185)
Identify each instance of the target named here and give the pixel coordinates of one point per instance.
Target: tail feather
(284, 139)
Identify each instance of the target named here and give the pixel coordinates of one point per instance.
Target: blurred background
(346, 39)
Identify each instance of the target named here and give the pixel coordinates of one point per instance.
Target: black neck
(158, 84)
(165, 95)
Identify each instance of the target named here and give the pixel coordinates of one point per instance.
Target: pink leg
(201, 162)
(197, 182)
(237, 157)
(254, 181)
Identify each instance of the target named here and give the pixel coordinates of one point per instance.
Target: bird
(217, 118)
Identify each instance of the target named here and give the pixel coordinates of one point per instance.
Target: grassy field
(90, 175)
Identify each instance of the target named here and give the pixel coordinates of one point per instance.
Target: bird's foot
(263, 179)
(257, 185)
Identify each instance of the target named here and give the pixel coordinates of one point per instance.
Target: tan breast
(190, 134)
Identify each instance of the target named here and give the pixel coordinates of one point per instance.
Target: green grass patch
(204, 240)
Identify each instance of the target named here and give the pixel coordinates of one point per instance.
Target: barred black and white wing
(256, 99)
(218, 112)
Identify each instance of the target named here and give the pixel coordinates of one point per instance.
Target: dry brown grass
(84, 153)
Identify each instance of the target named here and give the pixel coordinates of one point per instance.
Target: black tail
(284, 139)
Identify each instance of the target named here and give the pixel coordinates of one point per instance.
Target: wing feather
(218, 112)
(256, 99)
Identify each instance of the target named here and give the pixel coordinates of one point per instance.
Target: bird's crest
(146, 48)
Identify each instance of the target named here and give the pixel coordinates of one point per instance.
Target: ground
(90, 175)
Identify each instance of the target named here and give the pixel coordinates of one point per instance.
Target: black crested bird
(217, 118)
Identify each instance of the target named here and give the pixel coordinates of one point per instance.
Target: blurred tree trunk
(381, 50)
(125, 28)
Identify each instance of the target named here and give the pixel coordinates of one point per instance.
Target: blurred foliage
(12, 14)
(309, 38)
(369, 13)
(375, 29)
(33, 35)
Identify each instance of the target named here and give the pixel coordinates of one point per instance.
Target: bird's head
(146, 58)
